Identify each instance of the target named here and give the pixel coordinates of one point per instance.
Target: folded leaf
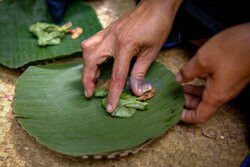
(48, 34)
(127, 105)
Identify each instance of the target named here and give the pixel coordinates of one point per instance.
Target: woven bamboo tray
(219, 142)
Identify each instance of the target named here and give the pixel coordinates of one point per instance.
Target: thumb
(195, 67)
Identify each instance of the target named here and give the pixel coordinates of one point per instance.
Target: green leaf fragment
(48, 34)
(127, 105)
(101, 92)
(123, 112)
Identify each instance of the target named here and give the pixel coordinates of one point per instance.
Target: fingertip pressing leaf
(127, 105)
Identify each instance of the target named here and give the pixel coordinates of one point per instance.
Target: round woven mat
(219, 142)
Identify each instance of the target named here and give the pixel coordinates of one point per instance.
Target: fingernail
(178, 77)
(85, 92)
(109, 108)
(147, 87)
(140, 91)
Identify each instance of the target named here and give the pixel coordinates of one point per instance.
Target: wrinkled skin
(140, 33)
(223, 60)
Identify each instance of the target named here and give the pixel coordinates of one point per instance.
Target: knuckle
(116, 73)
(124, 42)
(92, 41)
(127, 41)
(138, 74)
(115, 29)
(84, 45)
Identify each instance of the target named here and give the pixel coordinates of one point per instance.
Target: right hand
(140, 33)
(225, 59)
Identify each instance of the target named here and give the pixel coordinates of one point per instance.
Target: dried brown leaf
(70, 31)
(67, 25)
(77, 32)
(147, 95)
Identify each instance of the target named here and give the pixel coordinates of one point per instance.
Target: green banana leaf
(19, 47)
(50, 105)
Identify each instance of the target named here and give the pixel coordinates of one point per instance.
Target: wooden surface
(219, 142)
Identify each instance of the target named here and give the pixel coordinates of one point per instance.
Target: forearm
(168, 8)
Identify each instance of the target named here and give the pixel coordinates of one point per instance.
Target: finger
(91, 72)
(118, 78)
(95, 53)
(200, 115)
(195, 67)
(139, 71)
(186, 114)
(191, 102)
(211, 101)
(88, 77)
(92, 41)
(193, 90)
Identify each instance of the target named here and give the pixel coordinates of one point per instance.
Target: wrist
(168, 8)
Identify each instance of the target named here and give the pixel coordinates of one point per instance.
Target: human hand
(225, 58)
(140, 33)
